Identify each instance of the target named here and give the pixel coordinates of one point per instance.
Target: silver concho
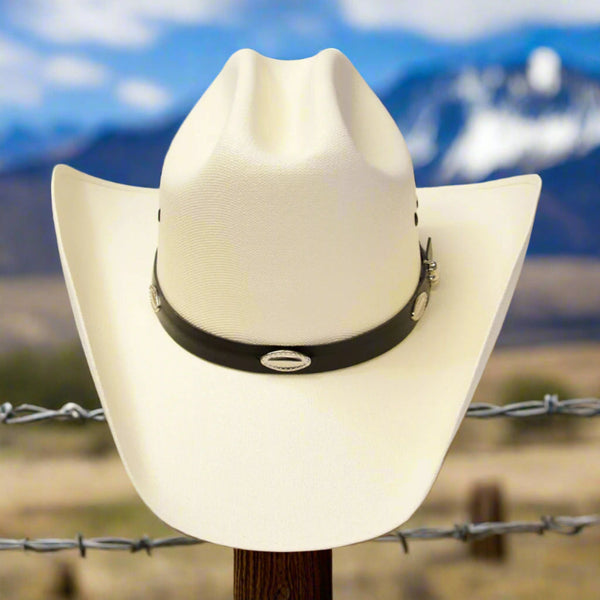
(154, 298)
(285, 360)
(419, 306)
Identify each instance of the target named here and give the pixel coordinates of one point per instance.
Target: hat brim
(286, 463)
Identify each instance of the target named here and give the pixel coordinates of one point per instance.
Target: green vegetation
(49, 378)
(534, 387)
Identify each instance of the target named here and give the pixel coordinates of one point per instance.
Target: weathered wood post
(282, 575)
(65, 584)
(486, 505)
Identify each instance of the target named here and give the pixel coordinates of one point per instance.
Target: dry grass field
(57, 480)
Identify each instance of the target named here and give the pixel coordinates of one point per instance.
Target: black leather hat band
(302, 359)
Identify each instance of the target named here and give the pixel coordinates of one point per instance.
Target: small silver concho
(285, 360)
(419, 306)
(154, 298)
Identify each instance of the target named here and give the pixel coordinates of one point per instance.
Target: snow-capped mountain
(471, 124)
(539, 116)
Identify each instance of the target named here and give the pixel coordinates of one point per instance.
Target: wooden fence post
(65, 583)
(486, 505)
(282, 575)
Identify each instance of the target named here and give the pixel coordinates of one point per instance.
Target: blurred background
(480, 90)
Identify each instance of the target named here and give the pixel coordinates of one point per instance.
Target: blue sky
(94, 62)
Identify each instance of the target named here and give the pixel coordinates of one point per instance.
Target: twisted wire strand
(82, 544)
(465, 532)
(30, 413)
(550, 405)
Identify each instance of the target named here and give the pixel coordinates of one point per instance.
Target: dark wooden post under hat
(282, 575)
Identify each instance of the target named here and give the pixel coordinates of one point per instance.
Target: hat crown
(288, 205)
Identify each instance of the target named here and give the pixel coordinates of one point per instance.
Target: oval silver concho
(285, 361)
(419, 306)
(154, 299)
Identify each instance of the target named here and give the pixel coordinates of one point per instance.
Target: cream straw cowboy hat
(278, 367)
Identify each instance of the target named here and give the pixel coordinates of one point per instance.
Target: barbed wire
(42, 545)
(550, 405)
(465, 532)
(30, 413)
